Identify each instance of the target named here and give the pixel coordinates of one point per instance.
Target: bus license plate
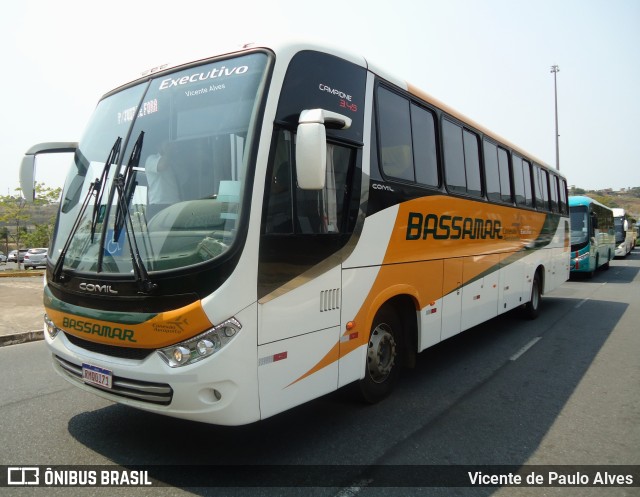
(97, 376)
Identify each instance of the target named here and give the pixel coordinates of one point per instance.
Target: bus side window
(453, 157)
(279, 207)
(594, 224)
(518, 181)
(461, 159)
(522, 181)
(545, 189)
(396, 151)
(333, 207)
(492, 172)
(528, 188)
(553, 189)
(505, 182)
(424, 146)
(472, 163)
(564, 206)
(541, 187)
(291, 210)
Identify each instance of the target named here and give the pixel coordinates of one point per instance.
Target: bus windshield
(619, 226)
(162, 167)
(579, 225)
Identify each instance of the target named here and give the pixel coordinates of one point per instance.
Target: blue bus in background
(592, 235)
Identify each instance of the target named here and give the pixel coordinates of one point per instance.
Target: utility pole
(555, 70)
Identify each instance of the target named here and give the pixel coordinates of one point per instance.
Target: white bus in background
(242, 234)
(625, 235)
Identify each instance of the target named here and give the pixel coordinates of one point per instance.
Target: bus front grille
(145, 391)
(110, 350)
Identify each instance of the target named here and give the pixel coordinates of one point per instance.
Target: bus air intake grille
(330, 300)
(110, 350)
(144, 391)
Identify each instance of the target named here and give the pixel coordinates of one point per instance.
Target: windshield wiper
(129, 185)
(100, 185)
(97, 187)
(125, 186)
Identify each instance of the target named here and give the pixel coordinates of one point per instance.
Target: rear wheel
(383, 356)
(532, 308)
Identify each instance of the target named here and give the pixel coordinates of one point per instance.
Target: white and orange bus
(242, 234)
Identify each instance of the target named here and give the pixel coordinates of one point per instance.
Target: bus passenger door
(300, 278)
(452, 297)
(298, 329)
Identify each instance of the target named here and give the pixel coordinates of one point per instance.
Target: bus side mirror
(27, 167)
(27, 184)
(311, 146)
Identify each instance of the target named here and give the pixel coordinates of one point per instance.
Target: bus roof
(619, 212)
(578, 200)
(292, 46)
(461, 117)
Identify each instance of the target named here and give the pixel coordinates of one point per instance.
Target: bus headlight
(51, 329)
(199, 347)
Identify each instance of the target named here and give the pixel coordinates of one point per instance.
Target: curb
(21, 274)
(16, 338)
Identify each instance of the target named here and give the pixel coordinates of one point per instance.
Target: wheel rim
(381, 355)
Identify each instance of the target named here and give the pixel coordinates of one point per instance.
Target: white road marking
(517, 355)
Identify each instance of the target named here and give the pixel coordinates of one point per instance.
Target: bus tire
(383, 356)
(597, 266)
(606, 265)
(532, 308)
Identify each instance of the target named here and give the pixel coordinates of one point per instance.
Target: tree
(16, 214)
(39, 237)
(4, 236)
(577, 191)
(606, 200)
(44, 203)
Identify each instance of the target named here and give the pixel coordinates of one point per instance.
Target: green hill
(628, 199)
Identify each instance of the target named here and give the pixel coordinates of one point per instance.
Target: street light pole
(555, 70)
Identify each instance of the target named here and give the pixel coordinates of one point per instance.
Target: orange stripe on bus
(413, 265)
(164, 329)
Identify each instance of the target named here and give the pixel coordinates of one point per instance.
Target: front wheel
(592, 273)
(606, 265)
(383, 357)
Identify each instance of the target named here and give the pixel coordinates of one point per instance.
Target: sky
(489, 59)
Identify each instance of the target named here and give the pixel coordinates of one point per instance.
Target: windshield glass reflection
(180, 191)
(579, 225)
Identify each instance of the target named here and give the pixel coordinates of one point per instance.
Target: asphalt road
(21, 307)
(563, 389)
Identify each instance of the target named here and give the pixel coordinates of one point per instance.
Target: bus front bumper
(220, 389)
